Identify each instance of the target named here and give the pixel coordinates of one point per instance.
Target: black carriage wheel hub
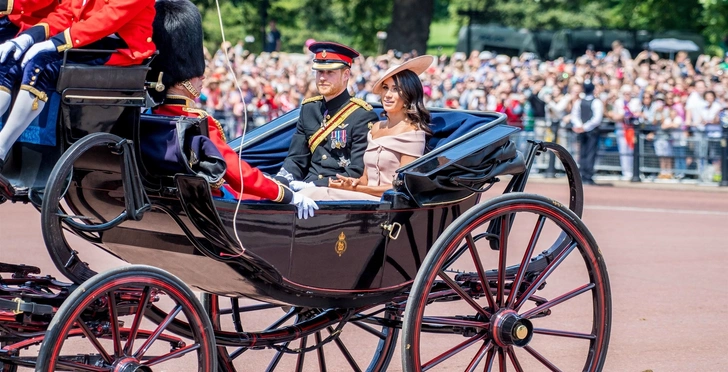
(130, 365)
(510, 329)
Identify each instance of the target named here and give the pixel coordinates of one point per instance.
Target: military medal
(338, 139)
(344, 162)
(325, 117)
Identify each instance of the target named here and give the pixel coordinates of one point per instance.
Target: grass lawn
(443, 38)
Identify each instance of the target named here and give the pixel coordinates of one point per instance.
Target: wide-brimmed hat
(418, 65)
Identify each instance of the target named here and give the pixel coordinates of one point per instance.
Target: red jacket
(255, 182)
(27, 13)
(76, 25)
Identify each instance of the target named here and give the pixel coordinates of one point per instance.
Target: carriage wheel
(111, 300)
(352, 349)
(544, 304)
(56, 217)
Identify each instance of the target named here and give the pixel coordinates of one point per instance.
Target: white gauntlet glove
(304, 204)
(300, 185)
(45, 46)
(17, 46)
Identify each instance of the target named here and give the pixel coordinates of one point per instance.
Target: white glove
(18, 45)
(304, 204)
(45, 46)
(300, 185)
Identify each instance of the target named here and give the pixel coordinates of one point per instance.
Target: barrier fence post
(551, 169)
(724, 157)
(636, 154)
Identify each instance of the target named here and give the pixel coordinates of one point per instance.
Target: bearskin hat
(177, 33)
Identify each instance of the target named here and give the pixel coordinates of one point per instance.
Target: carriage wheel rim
(492, 342)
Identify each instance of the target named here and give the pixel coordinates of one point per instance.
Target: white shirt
(597, 115)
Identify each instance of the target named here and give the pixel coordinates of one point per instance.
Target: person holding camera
(586, 116)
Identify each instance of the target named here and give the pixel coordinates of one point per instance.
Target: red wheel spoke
(290, 314)
(114, 324)
(345, 351)
(502, 360)
(94, 341)
(137, 320)
(370, 329)
(541, 278)
(276, 359)
(505, 227)
(320, 353)
(479, 356)
(302, 355)
(553, 332)
(449, 353)
(526, 258)
(161, 327)
(542, 359)
(481, 272)
(489, 360)
(175, 354)
(441, 320)
(563, 298)
(456, 287)
(81, 367)
(514, 360)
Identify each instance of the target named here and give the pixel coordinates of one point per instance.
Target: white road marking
(654, 210)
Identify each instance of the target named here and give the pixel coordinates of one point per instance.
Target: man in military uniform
(331, 133)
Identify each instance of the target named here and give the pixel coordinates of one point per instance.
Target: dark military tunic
(340, 152)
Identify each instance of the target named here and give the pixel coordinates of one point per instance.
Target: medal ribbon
(324, 131)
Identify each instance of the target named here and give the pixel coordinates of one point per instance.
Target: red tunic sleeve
(254, 181)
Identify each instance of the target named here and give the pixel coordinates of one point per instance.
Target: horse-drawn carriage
(515, 281)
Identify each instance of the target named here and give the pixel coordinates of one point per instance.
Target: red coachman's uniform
(256, 183)
(76, 23)
(26, 13)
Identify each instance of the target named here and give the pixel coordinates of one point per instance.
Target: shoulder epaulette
(361, 103)
(312, 99)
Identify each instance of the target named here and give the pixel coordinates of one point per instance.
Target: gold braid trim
(6, 90)
(38, 95)
(45, 27)
(362, 103)
(338, 119)
(9, 9)
(312, 99)
(67, 36)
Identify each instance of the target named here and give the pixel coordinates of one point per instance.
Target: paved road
(665, 250)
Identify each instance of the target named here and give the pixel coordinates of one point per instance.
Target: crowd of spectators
(681, 100)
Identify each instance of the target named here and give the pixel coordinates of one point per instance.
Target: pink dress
(381, 160)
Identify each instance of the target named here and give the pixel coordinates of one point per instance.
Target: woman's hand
(344, 183)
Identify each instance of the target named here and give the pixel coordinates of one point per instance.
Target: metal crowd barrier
(687, 156)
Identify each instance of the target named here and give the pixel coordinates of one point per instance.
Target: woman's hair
(412, 93)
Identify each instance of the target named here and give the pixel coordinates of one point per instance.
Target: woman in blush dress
(394, 142)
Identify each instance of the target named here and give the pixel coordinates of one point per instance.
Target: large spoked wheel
(109, 311)
(366, 342)
(537, 299)
(57, 216)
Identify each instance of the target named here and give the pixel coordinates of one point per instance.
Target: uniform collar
(176, 100)
(335, 104)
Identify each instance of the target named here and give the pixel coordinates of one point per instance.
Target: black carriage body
(349, 255)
